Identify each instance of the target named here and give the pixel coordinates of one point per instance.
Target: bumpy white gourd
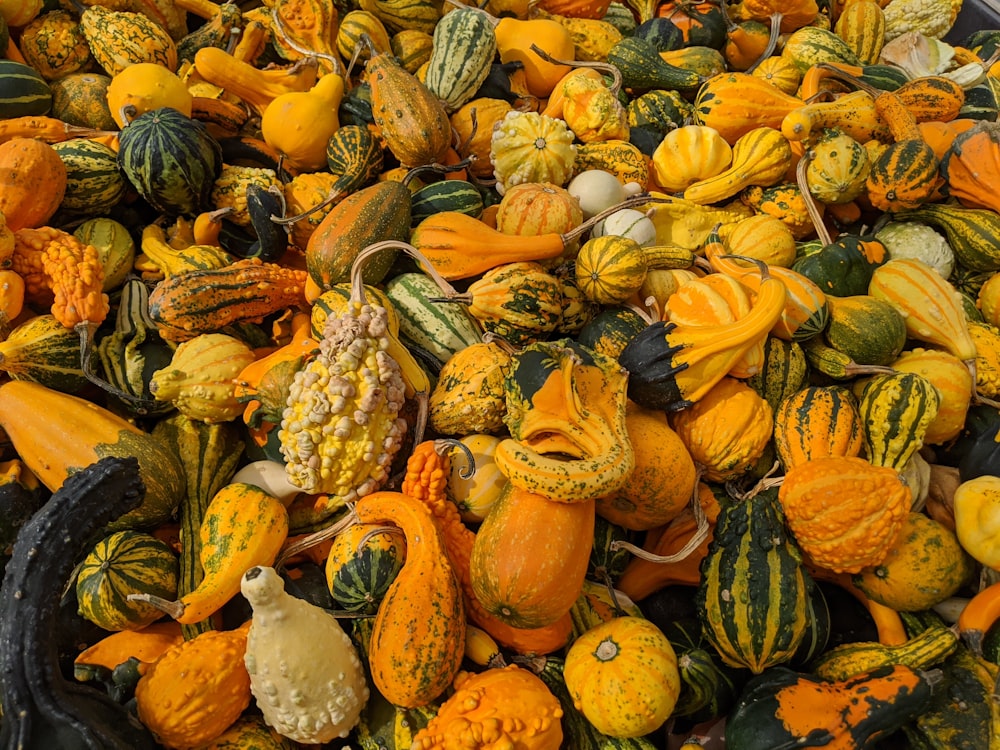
(305, 673)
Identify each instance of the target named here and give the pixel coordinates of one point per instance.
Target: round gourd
(535, 208)
(953, 382)
(977, 517)
(32, 182)
(54, 45)
(115, 246)
(23, 90)
(923, 567)
(627, 222)
(596, 190)
(623, 677)
(81, 99)
(363, 561)
(94, 184)
(688, 155)
(530, 147)
(143, 87)
(610, 269)
(838, 169)
(761, 236)
(126, 562)
(18, 13)
(475, 494)
(171, 160)
(869, 330)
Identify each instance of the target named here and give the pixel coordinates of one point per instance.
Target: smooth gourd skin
(42, 709)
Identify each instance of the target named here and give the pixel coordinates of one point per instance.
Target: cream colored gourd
(977, 518)
(304, 671)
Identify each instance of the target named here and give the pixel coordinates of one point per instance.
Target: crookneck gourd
(568, 401)
(42, 708)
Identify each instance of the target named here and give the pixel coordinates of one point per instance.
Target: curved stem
(357, 285)
(278, 24)
(317, 537)
(813, 210)
(330, 199)
(395, 530)
(631, 202)
(612, 70)
(772, 43)
(438, 168)
(442, 445)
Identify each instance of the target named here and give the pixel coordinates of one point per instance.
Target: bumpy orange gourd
(32, 182)
(843, 511)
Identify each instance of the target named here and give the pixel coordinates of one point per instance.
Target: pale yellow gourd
(689, 154)
(299, 124)
(304, 671)
(977, 518)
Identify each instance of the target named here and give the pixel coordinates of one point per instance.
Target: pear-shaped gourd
(304, 671)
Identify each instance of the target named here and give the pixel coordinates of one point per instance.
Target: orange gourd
(32, 182)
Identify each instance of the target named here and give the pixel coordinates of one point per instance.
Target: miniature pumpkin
(32, 182)
(977, 518)
(688, 154)
(529, 147)
(844, 512)
(623, 676)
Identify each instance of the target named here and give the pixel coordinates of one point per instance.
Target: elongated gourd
(760, 157)
(243, 527)
(57, 434)
(257, 88)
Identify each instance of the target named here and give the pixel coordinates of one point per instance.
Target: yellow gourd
(514, 40)
(299, 124)
(977, 518)
(144, 87)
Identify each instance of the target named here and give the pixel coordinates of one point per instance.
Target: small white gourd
(630, 223)
(305, 672)
(598, 190)
(270, 476)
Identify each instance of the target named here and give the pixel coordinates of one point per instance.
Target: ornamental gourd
(529, 147)
(689, 154)
(305, 672)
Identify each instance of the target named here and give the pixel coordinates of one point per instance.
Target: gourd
(520, 530)
(53, 44)
(975, 508)
(469, 394)
(33, 178)
(837, 168)
(196, 690)
(971, 232)
(969, 166)
(118, 39)
(817, 421)
(123, 563)
(843, 511)
(44, 351)
(623, 676)
(533, 208)
(664, 478)
(843, 268)
(610, 268)
(954, 384)
(895, 411)
(57, 433)
(518, 39)
(257, 88)
(530, 147)
(736, 103)
(145, 86)
(93, 180)
(924, 566)
(509, 704)
(727, 430)
(783, 707)
(419, 631)
(304, 670)
(242, 526)
(868, 329)
(41, 707)
(362, 563)
(752, 626)
(299, 124)
(761, 156)
(464, 45)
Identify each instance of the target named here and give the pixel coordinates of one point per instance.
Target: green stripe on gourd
(924, 650)
(440, 328)
(23, 91)
(94, 183)
(973, 233)
(123, 563)
(519, 302)
(753, 598)
(421, 15)
(119, 39)
(463, 50)
(782, 373)
(895, 409)
(708, 687)
(44, 351)
(811, 45)
(362, 563)
(445, 195)
(355, 156)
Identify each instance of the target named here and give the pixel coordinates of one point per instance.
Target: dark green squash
(782, 708)
(709, 687)
(272, 241)
(844, 267)
(976, 451)
(42, 709)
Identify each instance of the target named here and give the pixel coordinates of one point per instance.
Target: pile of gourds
(571, 373)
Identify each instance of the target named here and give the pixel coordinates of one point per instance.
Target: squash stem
(317, 537)
(330, 199)
(357, 286)
(772, 43)
(172, 609)
(811, 208)
(606, 67)
(447, 445)
(282, 31)
(631, 202)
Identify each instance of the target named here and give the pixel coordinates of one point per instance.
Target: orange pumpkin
(32, 182)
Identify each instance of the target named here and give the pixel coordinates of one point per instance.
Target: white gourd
(305, 672)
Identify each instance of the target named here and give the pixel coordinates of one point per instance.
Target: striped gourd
(895, 410)
(115, 245)
(980, 103)
(23, 91)
(622, 159)
(611, 329)
(926, 649)
(905, 175)
(973, 233)
(753, 598)
(125, 562)
(43, 350)
(782, 373)
(440, 328)
(397, 15)
(869, 330)
(811, 45)
(363, 561)
(94, 183)
(334, 302)
(445, 195)
(817, 421)
(171, 160)
(412, 48)
(118, 39)
(352, 26)
(862, 27)
(659, 110)
(708, 687)
(930, 306)
(354, 156)
(610, 269)
(519, 302)
(838, 169)
(464, 47)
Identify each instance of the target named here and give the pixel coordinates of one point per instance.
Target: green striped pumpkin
(610, 269)
(363, 561)
(980, 103)
(973, 234)
(43, 350)
(905, 175)
(708, 687)
(446, 195)
(171, 160)
(463, 50)
(352, 26)
(782, 373)
(885, 77)
(23, 91)
(754, 594)
(354, 155)
(895, 410)
(94, 183)
(862, 27)
(817, 421)
(440, 328)
(125, 562)
(397, 15)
